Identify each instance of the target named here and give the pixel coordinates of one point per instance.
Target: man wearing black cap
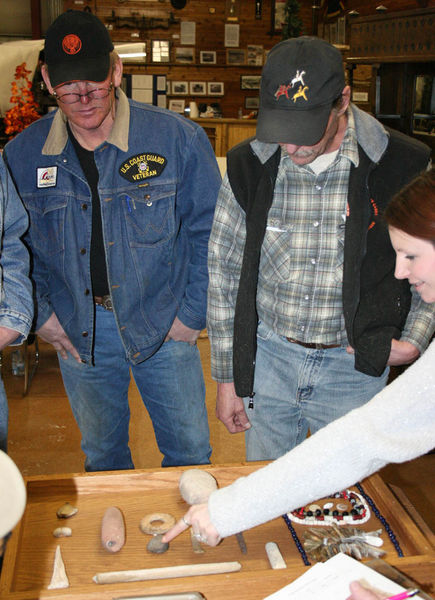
(121, 198)
(304, 312)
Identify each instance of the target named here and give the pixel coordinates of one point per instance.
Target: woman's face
(415, 261)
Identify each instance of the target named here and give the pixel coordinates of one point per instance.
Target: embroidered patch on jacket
(46, 177)
(142, 166)
(300, 90)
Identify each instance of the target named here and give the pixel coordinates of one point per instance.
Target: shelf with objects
(232, 90)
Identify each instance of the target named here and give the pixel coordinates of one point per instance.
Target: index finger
(172, 533)
(68, 346)
(72, 350)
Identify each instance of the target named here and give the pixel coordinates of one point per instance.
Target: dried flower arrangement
(25, 109)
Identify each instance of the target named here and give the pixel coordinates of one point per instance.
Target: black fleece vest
(375, 304)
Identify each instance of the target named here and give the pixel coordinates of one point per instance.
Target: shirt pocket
(149, 214)
(47, 221)
(275, 259)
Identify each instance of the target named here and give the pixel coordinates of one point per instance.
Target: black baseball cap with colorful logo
(301, 79)
(77, 48)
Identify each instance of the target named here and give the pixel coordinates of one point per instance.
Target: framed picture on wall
(232, 35)
(132, 53)
(207, 57)
(250, 82)
(197, 88)
(278, 15)
(160, 51)
(177, 105)
(255, 55)
(215, 88)
(252, 102)
(184, 55)
(236, 56)
(180, 88)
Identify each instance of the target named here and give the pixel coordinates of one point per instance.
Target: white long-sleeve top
(397, 425)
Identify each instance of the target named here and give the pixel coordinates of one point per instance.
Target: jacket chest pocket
(149, 214)
(47, 220)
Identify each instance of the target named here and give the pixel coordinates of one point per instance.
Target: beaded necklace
(354, 510)
(360, 502)
(296, 540)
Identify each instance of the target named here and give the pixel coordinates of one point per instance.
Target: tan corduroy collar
(58, 134)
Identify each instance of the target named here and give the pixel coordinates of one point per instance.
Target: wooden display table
(28, 561)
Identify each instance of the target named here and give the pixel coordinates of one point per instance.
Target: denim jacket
(16, 302)
(158, 184)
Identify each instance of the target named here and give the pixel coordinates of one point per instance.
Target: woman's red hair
(412, 210)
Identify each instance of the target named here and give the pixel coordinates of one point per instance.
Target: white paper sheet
(188, 33)
(330, 581)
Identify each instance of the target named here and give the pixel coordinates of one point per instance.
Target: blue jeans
(4, 415)
(297, 389)
(172, 388)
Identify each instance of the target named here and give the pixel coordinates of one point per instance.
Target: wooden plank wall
(210, 19)
(209, 36)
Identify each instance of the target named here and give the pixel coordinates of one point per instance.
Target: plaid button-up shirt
(299, 291)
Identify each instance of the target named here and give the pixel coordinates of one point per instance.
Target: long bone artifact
(167, 572)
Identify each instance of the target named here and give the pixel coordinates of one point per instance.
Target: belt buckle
(106, 302)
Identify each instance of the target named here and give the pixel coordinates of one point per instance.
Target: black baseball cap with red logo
(77, 48)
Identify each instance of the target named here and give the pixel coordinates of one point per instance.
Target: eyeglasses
(94, 94)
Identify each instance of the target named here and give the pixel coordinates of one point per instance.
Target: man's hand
(361, 593)
(230, 409)
(53, 333)
(181, 333)
(199, 518)
(402, 353)
(7, 336)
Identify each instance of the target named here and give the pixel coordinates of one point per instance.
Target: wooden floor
(44, 438)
